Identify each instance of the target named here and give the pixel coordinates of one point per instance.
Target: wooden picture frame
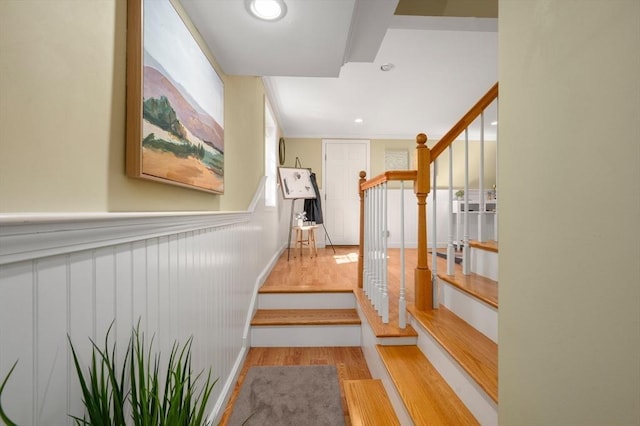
(296, 183)
(175, 102)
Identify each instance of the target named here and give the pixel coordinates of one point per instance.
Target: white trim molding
(30, 236)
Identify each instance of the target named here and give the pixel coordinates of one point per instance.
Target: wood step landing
(369, 403)
(285, 317)
(306, 327)
(472, 350)
(490, 245)
(426, 395)
(477, 286)
(380, 329)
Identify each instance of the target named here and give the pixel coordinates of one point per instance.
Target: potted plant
(153, 396)
(460, 194)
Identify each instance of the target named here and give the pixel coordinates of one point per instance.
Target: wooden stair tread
(490, 245)
(379, 328)
(482, 288)
(476, 353)
(426, 395)
(272, 317)
(369, 403)
(303, 289)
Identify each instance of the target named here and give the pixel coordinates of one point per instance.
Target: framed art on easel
(296, 183)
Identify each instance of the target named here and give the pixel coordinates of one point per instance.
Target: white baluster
(495, 193)
(374, 247)
(481, 191)
(434, 240)
(465, 244)
(366, 259)
(378, 234)
(402, 302)
(450, 249)
(385, 276)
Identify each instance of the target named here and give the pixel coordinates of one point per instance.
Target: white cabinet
(486, 221)
(474, 206)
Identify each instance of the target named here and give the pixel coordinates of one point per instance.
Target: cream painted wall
(244, 129)
(59, 77)
(310, 153)
(62, 116)
(570, 212)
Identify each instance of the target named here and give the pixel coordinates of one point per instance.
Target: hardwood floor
(328, 271)
(349, 362)
(325, 272)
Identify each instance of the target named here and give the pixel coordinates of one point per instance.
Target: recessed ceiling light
(387, 66)
(494, 123)
(267, 10)
(358, 121)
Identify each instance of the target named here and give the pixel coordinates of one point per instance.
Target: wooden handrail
(464, 122)
(388, 176)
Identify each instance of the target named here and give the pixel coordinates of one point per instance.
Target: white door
(343, 161)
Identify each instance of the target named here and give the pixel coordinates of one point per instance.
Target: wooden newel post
(423, 285)
(363, 179)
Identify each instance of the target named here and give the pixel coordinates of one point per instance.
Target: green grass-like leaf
(103, 392)
(156, 397)
(3, 415)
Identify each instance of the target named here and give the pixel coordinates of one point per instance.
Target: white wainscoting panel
(178, 275)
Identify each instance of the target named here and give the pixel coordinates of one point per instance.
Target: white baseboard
(478, 314)
(218, 408)
(253, 305)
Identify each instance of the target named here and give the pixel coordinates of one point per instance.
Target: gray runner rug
(289, 395)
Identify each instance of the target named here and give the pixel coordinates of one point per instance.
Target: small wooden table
(310, 240)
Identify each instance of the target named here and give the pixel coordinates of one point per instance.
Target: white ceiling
(321, 64)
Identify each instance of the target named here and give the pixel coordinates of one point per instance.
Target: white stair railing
(481, 201)
(373, 195)
(375, 274)
(375, 251)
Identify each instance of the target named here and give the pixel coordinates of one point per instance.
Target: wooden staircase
(450, 375)
(440, 370)
(426, 395)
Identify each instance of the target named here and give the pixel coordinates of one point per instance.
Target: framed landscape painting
(175, 102)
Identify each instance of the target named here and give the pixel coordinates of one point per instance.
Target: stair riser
(301, 336)
(306, 301)
(484, 409)
(485, 263)
(478, 314)
(379, 371)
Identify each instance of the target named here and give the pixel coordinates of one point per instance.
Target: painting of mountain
(182, 130)
(157, 84)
